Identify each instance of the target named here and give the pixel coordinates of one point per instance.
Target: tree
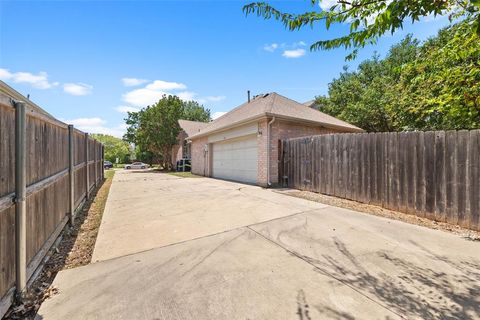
(154, 129)
(368, 19)
(430, 86)
(194, 111)
(114, 148)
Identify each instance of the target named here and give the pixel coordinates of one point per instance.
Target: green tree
(368, 19)
(194, 111)
(155, 128)
(114, 147)
(435, 85)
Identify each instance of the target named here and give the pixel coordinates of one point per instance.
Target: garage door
(236, 160)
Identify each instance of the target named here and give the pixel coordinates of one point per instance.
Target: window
(186, 150)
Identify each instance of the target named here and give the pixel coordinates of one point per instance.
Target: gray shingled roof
(273, 104)
(191, 127)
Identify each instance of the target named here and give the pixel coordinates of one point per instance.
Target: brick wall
(262, 179)
(177, 150)
(281, 130)
(200, 157)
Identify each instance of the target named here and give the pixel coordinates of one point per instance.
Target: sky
(89, 62)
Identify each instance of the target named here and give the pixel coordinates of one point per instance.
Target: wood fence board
(451, 204)
(440, 176)
(474, 174)
(7, 254)
(462, 177)
(420, 180)
(430, 175)
(7, 150)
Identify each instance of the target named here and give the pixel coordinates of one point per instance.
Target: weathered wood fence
(429, 174)
(42, 163)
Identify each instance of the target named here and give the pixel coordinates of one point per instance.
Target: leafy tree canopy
(429, 86)
(114, 148)
(368, 19)
(154, 129)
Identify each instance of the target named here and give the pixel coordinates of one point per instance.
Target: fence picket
(429, 174)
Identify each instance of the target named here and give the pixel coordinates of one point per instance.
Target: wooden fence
(429, 174)
(53, 171)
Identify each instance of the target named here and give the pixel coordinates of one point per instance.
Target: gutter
(268, 150)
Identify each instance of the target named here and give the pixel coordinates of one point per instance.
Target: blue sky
(87, 62)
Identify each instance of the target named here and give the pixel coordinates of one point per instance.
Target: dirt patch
(382, 212)
(74, 249)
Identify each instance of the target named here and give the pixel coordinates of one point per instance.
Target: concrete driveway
(198, 248)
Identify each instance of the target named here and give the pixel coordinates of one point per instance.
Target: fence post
(20, 200)
(87, 182)
(71, 174)
(103, 160)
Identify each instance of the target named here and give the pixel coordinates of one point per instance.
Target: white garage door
(236, 160)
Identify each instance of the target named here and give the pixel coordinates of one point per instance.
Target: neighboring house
(182, 150)
(312, 104)
(242, 145)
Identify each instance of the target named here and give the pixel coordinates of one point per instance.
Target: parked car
(136, 165)
(107, 164)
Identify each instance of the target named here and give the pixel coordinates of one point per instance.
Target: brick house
(182, 149)
(242, 145)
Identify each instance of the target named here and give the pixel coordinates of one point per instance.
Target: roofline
(233, 125)
(323, 124)
(269, 114)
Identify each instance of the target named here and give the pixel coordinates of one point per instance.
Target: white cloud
(327, 4)
(165, 85)
(217, 114)
(39, 81)
(97, 125)
(186, 95)
(270, 47)
(131, 82)
(142, 97)
(77, 89)
(154, 91)
(299, 44)
(211, 99)
(297, 53)
(125, 109)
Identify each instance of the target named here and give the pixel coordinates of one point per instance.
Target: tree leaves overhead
(430, 86)
(368, 19)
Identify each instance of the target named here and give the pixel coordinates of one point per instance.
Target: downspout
(268, 151)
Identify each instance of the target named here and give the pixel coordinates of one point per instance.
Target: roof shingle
(273, 104)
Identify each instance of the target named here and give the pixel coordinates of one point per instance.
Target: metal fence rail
(47, 171)
(432, 174)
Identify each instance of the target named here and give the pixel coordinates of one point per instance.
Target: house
(243, 144)
(182, 149)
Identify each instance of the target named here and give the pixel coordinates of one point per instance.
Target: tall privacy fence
(429, 174)
(47, 171)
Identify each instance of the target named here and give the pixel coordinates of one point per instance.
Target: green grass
(109, 174)
(184, 174)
